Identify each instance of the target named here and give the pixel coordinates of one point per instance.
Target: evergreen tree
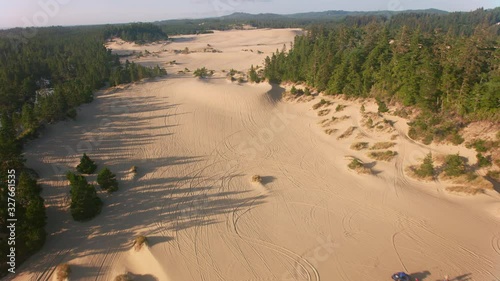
(86, 166)
(85, 204)
(107, 180)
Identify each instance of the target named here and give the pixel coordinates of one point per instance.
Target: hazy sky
(76, 12)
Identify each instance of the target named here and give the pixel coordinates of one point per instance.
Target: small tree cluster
(85, 204)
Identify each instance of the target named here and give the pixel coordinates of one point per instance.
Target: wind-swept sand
(197, 144)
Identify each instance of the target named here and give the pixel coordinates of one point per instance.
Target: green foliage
(382, 107)
(107, 180)
(307, 91)
(86, 166)
(253, 76)
(202, 72)
(137, 32)
(355, 164)
(85, 204)
(293, 91)
(483, 161)
(426, 169)
(454, 165)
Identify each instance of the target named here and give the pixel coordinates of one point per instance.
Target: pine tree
(107, 180)
(85, 204)
(86, 166)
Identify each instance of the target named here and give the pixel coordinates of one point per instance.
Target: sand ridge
(197, 143)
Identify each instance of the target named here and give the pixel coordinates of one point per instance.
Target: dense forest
(42, 80)
(442, 65)
(137, 32)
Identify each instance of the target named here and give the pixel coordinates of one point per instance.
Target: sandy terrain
(197, 144)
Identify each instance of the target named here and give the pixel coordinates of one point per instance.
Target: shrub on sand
(382, 145)
(123, 277)
(358, 166)
(359, 146)
(347, 133)
(383, 155)
(86, 166)
(454, 165)
(139, 241)
(256, 178)
(494, 175)
(465, 190)
(62, 272)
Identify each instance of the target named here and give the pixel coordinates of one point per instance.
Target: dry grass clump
(494, 175)
(347, 133)
(139, 242)
(321, 104)
(359, 146)
(340, 107)
(323, 112)
(62, 272)
(330, 131)
(465, 190)
(256, 178)
(123, 277)
(471, 180)
(359, 167)
(133, 170)
(383, 155)
(394, 137)
(382, 145)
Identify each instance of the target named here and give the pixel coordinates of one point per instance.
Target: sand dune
(197, 143)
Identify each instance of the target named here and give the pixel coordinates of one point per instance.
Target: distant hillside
(326, 15)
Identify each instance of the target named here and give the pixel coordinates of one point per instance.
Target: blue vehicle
(401, 276)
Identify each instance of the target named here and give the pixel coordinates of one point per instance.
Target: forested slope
(444, 66)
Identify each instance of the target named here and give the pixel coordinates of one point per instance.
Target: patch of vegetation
(323, 112)
(330, 131)
(358, 166)
(253, 76)
(107, 180)
(482, 145)
(383, 155)
(307, 91)
(86, 166)
(382, 145)
(340, 107)
(321, 103)
(62, 272)
(347, 133)
(139, 242)
(483, 161)
(203, 72)
(382, 107)
(85, 204)
(359, 146)
(494, 175)
(431, 127)
(465, 190)
(256, 178)
(123, 277)
(426, 169)
(454, 165)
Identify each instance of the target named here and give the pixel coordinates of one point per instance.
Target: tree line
(417, 60)
(42, 80)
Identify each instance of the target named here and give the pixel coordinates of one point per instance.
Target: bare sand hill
(197, 144)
